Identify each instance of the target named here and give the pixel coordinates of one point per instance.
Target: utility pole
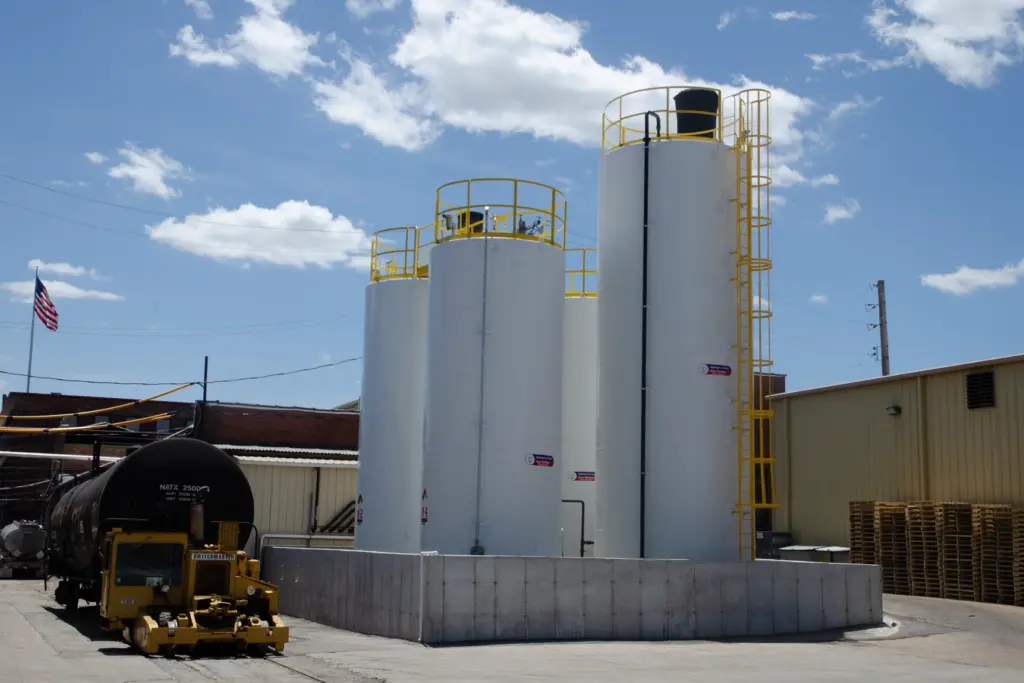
(882, 351)
(206, 375)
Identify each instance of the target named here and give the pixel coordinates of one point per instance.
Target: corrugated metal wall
(284, 498)
(839, 445)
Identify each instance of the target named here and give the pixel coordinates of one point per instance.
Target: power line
(150, 212)
(136, 233)
(184, 333)
(166, 384)
(159, 214)
(818, 311)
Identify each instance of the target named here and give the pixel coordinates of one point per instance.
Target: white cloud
(65, 269)
(965, 279)
(846, 211)
(201, 7)
(192, 46)
(966, 40)
(858, 103)
(148, 170)
(68, 183)
(23, 292)
(264, 39)
(820, 62)
(475, 65)
(785, 176)
(364, 8)
(491, 66)
(95, 157)
(291, 234)
(726, 19)
(778, 200)
(364, 100)
(819, 299)
(790, 15)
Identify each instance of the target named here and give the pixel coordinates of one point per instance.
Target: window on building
(70, 421)
(101, 419)
(163, 426)
(981, 390)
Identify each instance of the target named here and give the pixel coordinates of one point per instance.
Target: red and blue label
(714, 369)
(538, 460)
(583, 476)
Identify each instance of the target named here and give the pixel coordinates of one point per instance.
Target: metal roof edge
(913, 374)
(287, 449)
(271, 461)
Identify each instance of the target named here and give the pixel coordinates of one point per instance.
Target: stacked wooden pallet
(891, 546)
(923, 550)
(956, 564)
(1018, 557)
(993, 553)
(862, 532)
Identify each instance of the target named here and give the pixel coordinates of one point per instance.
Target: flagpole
(31, 339)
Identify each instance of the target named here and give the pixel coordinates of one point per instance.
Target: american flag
(45, 309)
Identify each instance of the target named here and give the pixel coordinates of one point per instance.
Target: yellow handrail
(400, 253)
(581, 272)
(394, 253)
(622, 121)
(500, 207)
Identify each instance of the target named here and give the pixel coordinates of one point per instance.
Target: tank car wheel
(66, 595)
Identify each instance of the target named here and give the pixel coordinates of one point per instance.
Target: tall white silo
(492, 462)
(579, 406)
(674, 458)
(392, 394)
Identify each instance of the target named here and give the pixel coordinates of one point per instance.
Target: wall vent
(981, 390)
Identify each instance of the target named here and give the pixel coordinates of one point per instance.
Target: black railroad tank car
(152, 489)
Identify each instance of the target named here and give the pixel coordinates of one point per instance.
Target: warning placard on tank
(183, 493)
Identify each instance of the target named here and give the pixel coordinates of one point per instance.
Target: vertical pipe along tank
(392, 393)
(691, 461)
(579, 407)
(492, 463)
(151, 489)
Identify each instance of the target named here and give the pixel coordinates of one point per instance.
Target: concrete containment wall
(483, 599)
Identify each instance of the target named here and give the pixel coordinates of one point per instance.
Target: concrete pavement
(936, 640)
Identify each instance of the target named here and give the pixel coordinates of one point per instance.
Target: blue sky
(230, 158)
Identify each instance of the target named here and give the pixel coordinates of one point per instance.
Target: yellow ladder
(755, 480)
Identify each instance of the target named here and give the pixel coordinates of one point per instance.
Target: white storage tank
(579, 407)
(393, 393)
(687, 445)
(492, 463)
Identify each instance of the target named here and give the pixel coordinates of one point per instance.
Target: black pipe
(643, 336)
(97, 450)
(583, 524)
(316, 504)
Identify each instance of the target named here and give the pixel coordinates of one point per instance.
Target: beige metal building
(947, 434)
(303, 497)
